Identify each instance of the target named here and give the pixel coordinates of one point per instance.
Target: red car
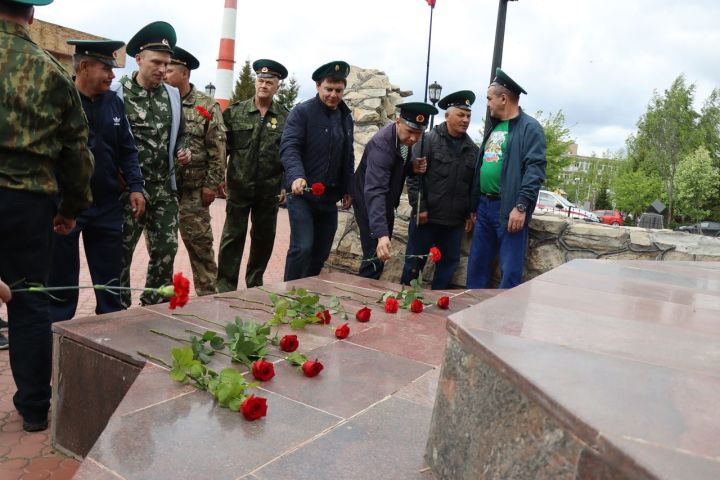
(610, 217)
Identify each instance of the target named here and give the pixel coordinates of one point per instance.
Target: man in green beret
(113, 148)
(317, 147)
(445, 193)
(198, 180)
(379, 179)
(254, 178)
(154, 110)
(508, 175)
(43, 152)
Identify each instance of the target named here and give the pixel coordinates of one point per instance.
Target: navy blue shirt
(113, 147)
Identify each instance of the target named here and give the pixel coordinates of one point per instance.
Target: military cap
(416, 114)
(37, 3)
(462, 99)
(266, 68)
(502, 78)
(183, 57)
(157, 36)
(102, 50)
(336, 69)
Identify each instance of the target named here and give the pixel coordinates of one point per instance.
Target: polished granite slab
(373, 400)
(617, 361)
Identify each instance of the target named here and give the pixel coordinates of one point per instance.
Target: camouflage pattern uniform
(150, 118)
(206, 169)
(254, 179)
(43, 150)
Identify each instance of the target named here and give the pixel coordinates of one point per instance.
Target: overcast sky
(596, 60)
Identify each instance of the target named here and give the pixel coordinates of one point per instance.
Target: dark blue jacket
(113, 147)
(378, 182)
(314, 149)
(523, 170)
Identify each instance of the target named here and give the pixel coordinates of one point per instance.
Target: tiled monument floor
(365, 416)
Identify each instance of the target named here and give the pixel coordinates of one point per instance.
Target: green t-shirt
(491, 169)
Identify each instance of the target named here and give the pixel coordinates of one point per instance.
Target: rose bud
(324, 317)
(263, 370)
(416, 306)
(289, 343)
(363, 315)
(443, 303)
(311, 368)
(342, 331)
(253, 408)
(391, 305)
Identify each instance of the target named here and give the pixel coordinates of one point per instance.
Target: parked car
(611, 217)
(553, 203)
(711, 229)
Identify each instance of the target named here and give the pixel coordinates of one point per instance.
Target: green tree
(557, 143)
(245, 84)
(603, 200)
(667, 132)
(710, 125)
(634, 191)
(288, 92)
(697, 181)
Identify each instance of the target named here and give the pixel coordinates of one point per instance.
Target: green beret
(102, 50)
(462, 99)
(37, 3)
(184, 58)
(502, 78)
(336, 69)
(266, 68)
(157, 36)
(416, 114)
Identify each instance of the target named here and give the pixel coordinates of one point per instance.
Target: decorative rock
(363, 117)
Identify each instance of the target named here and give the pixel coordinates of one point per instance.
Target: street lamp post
(210, 90)
(577, 189)
(434, 92)
(498, 49)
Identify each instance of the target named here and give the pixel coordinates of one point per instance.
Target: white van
(553, 203)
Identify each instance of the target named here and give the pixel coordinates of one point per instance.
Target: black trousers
(25, 233)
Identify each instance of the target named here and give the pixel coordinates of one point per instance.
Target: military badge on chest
(272, 123)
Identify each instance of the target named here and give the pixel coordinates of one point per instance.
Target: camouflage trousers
(196, 233)
(263, 215)
(160, 223)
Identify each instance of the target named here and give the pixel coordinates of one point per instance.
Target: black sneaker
(3, 324)
(3, 342)
(35, 426)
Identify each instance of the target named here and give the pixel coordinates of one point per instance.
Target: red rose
(317, 189)
(181, 288)
(263, 370)
(363, 315)
(203, 111)
(253, 408)
(289, 343)
(324, 317)
(431, 3)
(435, 254)
(311, 368)
(443, 303)
(342, 331)
(391, 305)
(416, 306)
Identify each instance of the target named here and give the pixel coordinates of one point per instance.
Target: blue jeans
(490, 240)
(24, 260)
(312, 231)
(420, 239)
(101, 228)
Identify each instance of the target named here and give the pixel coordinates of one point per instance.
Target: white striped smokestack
(226, 57)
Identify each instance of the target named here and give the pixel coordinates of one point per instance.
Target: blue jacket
(523, 170)
(113, 147)
(314, 149)
(378, 182)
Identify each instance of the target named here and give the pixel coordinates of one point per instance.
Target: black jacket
(447, 184)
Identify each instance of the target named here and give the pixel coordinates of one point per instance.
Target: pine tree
(245, 84)
(288, 92)
(603, 200)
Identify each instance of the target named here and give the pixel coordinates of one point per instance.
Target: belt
(490, 196)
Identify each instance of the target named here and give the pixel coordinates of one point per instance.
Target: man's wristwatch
(520, 207)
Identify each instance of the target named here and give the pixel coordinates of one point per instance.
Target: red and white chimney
(226, 57)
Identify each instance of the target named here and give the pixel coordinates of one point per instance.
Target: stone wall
(554, 240)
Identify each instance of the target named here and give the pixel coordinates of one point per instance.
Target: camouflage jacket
(206, 141)
(254, 167)
(150, 118)
(43, 129)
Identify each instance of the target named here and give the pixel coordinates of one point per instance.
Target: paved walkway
(31, 456)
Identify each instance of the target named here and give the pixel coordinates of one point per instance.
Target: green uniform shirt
(254, 148)
(43, 129)
(150, 118)
(491, 169)
(206, 142)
